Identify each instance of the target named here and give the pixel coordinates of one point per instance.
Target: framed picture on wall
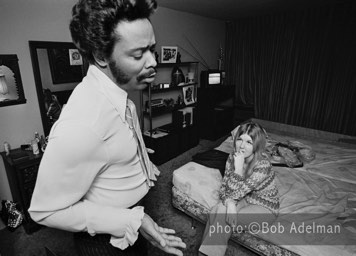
(188, 95)
(65, 65)
(75, 59)
(169, 54)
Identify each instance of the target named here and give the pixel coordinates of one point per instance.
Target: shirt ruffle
(131, 233)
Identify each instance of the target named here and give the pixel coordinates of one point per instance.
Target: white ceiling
(234, 9)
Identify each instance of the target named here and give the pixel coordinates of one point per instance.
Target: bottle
(35, 148)
(7, 148)
(38, 139)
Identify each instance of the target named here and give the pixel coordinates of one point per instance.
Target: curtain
(297, 67)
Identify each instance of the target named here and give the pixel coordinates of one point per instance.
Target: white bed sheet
(325, 186)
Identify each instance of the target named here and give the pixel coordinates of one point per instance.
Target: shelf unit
(166, 112)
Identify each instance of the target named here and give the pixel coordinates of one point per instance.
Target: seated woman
(248, 193)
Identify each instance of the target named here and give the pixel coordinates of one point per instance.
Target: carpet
(157, 205)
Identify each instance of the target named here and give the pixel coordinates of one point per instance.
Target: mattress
(322, 192)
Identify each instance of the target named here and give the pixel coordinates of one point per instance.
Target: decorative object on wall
(75, 59)
(221, 59)
(3, 87)
(188, 95)
(169, 54)
(11, 90)
(66, 65)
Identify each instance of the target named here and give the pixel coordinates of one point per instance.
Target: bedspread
(322, 192)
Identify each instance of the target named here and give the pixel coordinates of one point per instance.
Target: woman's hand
(239, 160)
(231, 213)
(161, 237)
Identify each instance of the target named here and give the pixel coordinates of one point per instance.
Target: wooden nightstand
(21, 169)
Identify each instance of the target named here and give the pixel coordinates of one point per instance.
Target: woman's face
(244, 144)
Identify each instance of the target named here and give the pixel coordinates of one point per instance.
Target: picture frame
(169, 54)
(189, 95)
(75, 59)
(66, 65)
(11, 88)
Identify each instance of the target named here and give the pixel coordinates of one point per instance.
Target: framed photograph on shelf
(169, 54)
(188, 95)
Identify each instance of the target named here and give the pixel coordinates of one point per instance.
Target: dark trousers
(99, 245)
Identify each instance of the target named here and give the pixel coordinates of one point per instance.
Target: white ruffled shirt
(90, 172)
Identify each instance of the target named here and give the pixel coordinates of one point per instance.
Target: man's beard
(122, 78)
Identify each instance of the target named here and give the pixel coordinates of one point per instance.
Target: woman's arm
(228, 170)
(237, 188)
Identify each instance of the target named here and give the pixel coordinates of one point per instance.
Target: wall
(47, 20)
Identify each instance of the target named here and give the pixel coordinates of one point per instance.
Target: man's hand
(161, 237)
(239, 160)
(231, 213)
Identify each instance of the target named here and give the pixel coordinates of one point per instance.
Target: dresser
(21, 169)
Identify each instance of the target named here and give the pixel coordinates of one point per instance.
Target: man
(93, 173)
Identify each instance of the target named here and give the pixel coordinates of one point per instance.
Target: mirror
(11, 90)
(58, 68)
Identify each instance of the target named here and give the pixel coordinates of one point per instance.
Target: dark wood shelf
(182, 133)
(168, 65)
(167, 110)
(173, 88)
(170, 129)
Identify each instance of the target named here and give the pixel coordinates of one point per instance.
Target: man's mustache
(150, 72)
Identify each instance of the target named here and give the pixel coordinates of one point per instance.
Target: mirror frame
(34, 45)
(11, 61)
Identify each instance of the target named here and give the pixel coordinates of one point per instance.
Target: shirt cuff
(131, 232)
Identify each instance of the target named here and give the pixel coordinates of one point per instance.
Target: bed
(318, 198)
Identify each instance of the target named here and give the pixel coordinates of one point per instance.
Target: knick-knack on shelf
(157, 57)
(178, 58)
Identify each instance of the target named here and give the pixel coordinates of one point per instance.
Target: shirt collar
(116, 96)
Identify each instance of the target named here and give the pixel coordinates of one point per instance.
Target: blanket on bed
(212, 159)
(281, 153)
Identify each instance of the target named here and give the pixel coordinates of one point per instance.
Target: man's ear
(100, 61)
